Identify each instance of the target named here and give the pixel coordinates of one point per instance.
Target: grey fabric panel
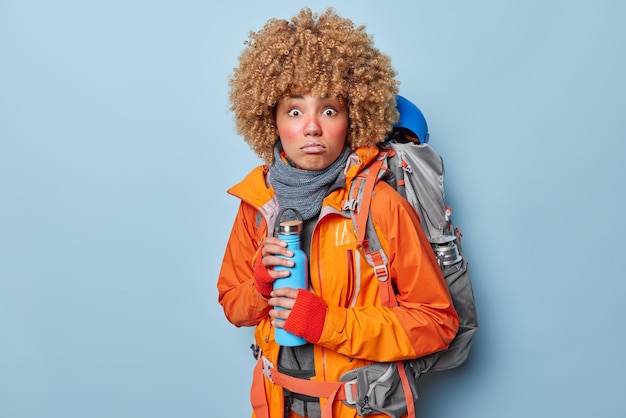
(424, 174)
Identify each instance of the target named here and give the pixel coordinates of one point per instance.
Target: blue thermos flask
(289, 231)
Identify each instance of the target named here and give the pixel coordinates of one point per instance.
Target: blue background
(116, 149)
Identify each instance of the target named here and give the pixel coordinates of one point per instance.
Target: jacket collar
(255, 190)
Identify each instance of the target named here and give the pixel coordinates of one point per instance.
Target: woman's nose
(312, 127)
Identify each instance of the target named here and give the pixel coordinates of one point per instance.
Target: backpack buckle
(350, 204)
(381, 272)
(349, 389)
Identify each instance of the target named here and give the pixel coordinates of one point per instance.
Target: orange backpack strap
(362, 211)
(408, 394)
(362, 191)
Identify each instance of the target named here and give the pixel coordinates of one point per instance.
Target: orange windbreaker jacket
(358, 329)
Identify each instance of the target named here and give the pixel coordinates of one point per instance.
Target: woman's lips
(313, 148)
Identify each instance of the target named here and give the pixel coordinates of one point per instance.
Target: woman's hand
(272, 248)
(283, 298)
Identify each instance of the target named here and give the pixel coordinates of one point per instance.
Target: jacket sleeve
(243, 305)
(424, 320)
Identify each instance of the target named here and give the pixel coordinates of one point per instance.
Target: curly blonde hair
(323, 55)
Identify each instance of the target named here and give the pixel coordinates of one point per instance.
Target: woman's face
(312, 130)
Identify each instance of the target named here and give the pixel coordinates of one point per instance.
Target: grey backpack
(416, 171)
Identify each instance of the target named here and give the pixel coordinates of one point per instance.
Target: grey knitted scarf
(304, 190)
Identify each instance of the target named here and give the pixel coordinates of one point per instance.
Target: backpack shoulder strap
(361, 192)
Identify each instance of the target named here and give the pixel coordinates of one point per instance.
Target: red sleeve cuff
(262, 280)
(307, 317)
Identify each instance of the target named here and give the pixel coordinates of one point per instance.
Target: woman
(312, 97)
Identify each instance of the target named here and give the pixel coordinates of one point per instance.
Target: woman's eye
(294, 112)
(330, 111)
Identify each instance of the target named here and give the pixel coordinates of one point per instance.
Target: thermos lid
(290, 227)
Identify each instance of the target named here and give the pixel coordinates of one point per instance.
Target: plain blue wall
(116, 148)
